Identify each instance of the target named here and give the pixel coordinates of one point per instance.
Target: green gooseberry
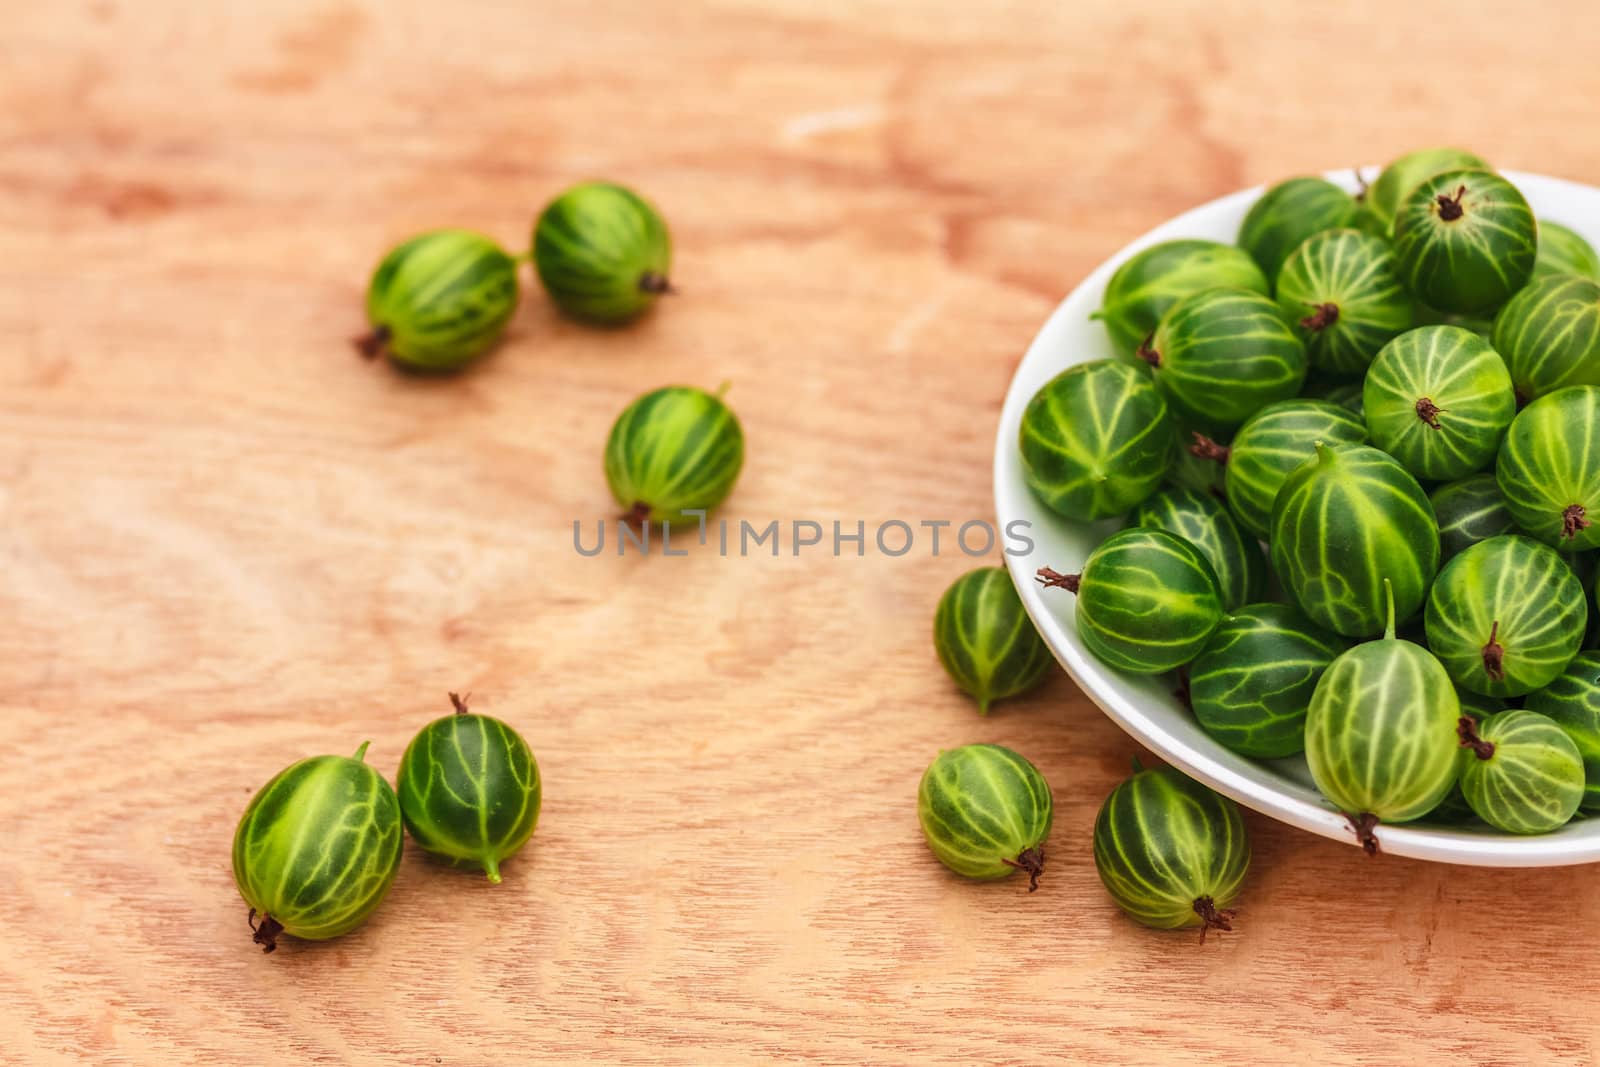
(1342, 290)
(1468, 511)
(1096, 440)
(439, 300)
(1573, 702)
(985, 639)
(469, 789)
(1251, 685)
(1381, 737)
(1222, 355)
(1288, 213)
(602, 252)
(317, 849)
(1171, 853)
(1203, 521)
(1439, 400)
(1506, 616)
(985, 812)
(1411, 170)
(674, 451)
(1520, 772)
(1549, 335)
(1465, 241)
(1353, 536)
(1147, 600)
(1147, 285)
(1563, 251)
(1271, 444)
(1548, 468)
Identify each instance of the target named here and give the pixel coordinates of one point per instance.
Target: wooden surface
(227, 543)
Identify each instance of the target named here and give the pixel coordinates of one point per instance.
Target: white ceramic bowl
(1146, 707)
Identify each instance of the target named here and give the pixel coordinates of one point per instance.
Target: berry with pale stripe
(1147, 600)
(602, 252)
(1506, 616)
(1548, 468)
(985, 639)
(985, 812)
(1096, 440)
(440, 299)
(1342, 291)
(1465, 241)
(1439, 400)
(1222, 355)
(1287, 214)
(1381, 733)
(1469, 511)
(1148, 284)
(1549, 335)
(674, 450)
(1346, 526)
(1520, 772)
(1251, 685)
(1572, 701)
(1172, 854)
(1203, 521)
(317, 849)
(469, 789)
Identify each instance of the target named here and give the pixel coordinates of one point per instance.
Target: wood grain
(227, 543)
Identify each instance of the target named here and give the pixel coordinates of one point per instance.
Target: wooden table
(227, 543)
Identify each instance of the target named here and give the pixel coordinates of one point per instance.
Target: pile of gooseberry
(1358, 459)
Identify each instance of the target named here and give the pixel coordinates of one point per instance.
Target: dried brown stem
(1450, 206)
(1322, 316)
(1365, 825)
(1467, 730)
(266, 932)
(1032, 861)
(1573, 519)
(460, 703)
(1205, 448)
(1052, 579)
(1212, 917)
(1494, 655)
(373, 344)
(1428, 412)
(1148, 354)
(651, 282)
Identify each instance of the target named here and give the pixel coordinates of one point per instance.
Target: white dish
(1146, 707)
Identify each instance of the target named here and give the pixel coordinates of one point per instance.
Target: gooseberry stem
(1322, 316)
(373, 344)
(1205, 448)
(1052, 579)
(1388, 596)
(1032, 861)
(652, 282)
(1450, 206)
(1361, 193)
(361, 753)
(491, 867)
(1573, 519)
(1428, 412)
(1182, 692)
(460, 703)
(638, 515)
(266, 932)
(1494, 655)
(1467, 730)
(1364, 825)
(1148, 354)
(1212, 917)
